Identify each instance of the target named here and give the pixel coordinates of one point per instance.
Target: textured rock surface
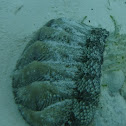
(57, 79)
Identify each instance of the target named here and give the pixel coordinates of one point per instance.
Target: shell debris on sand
(114, 66)
(112, 105)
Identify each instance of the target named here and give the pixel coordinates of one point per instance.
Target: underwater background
(19, 19)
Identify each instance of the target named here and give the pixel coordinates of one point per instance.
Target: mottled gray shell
(57, 79)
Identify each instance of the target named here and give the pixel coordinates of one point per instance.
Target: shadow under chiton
(56, 81)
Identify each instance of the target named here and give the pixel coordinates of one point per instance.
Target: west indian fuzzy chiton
(56, 81)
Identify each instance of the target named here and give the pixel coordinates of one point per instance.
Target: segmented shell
(57, 79)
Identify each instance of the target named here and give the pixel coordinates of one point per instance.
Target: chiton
(56, 81)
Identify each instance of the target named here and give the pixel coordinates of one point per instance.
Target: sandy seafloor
(19, 19)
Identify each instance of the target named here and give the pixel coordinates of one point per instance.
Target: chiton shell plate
(56, 81)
